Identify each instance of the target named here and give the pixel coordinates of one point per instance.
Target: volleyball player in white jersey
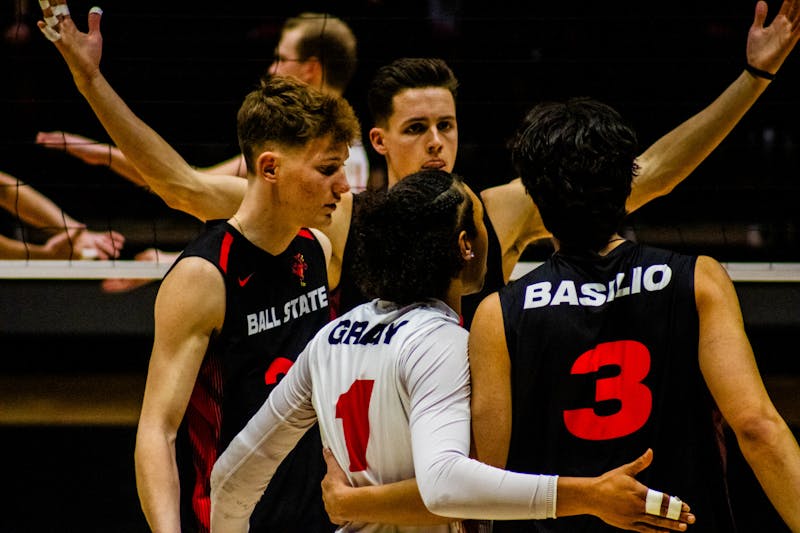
(389, 384)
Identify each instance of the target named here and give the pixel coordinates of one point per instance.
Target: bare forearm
(159, 165)
(675, 155)
(13, 249)
(158, 488)
(31, 206)
(775, 459)
(396, 503)
(113, 158)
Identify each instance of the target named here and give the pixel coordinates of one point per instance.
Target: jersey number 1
(353, 408)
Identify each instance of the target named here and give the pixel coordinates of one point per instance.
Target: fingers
(330, 460)
(664, 512)
(665, 524)
(56, 12)
(639, 464)
(95, 14)
(53, 13)
(792, 9)
(761, 13)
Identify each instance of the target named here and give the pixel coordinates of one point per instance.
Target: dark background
(185, 74)
(184, 68)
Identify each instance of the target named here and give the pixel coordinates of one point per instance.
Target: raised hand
(99, 245)
(768, 46)
(81, 51)
(87, 150)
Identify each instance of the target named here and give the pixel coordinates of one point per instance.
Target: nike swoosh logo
(243, 281)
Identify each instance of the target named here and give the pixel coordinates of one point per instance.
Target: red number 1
(353, 408)
(633, 360)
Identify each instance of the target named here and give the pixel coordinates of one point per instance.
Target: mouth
(434, 164)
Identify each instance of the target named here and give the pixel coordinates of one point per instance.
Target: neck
(453, 296)
(271, 237)
(613, 241)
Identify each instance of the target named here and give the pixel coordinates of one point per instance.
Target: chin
(324, 221)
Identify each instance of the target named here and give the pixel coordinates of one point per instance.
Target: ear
(312, 72)
(376, 137)
(267, 165)
(465, 246)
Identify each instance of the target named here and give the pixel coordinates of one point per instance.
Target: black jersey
(274, 305)
(493, 281)
(604, 363)
(347, 295)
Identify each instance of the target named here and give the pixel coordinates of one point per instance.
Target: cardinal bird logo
(299, 267)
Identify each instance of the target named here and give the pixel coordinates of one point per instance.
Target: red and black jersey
(274, 305)
(604, 362)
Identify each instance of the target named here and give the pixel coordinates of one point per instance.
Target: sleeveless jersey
(604, 363)
(274, 305)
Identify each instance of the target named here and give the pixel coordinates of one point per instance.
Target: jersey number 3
(353, 408)
(633, 360)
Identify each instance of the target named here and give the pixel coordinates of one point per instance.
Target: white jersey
(356, 168)
(390, 389)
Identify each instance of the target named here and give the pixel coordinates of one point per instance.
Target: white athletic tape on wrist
(89, 253)
(51, 21)
(61, 9)
(51, 34)
(44, 4)
(675, 505)
(97, 10)
(652, 504)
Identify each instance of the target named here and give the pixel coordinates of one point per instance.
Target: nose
(340, 184)
(435, 142)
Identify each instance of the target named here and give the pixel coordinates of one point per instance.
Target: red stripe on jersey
(225, 251)
(204, 418)
(306, 234)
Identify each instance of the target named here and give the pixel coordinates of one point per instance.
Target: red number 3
(633, 360)
(353, 408)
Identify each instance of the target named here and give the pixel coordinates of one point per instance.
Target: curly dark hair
(406, 73)
(289, 113)
(577, 160)
(406, 245)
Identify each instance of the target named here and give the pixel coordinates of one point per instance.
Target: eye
(445, 125)
(416, 128)
(329, 170)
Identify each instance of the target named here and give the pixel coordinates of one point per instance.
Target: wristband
(758, 73)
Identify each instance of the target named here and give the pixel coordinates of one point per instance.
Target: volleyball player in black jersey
(611, 347)
(242, 300)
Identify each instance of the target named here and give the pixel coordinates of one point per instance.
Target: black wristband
(758, 73)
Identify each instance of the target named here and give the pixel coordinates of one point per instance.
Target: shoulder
(193, 271)
(193, 284)
(710, 278)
